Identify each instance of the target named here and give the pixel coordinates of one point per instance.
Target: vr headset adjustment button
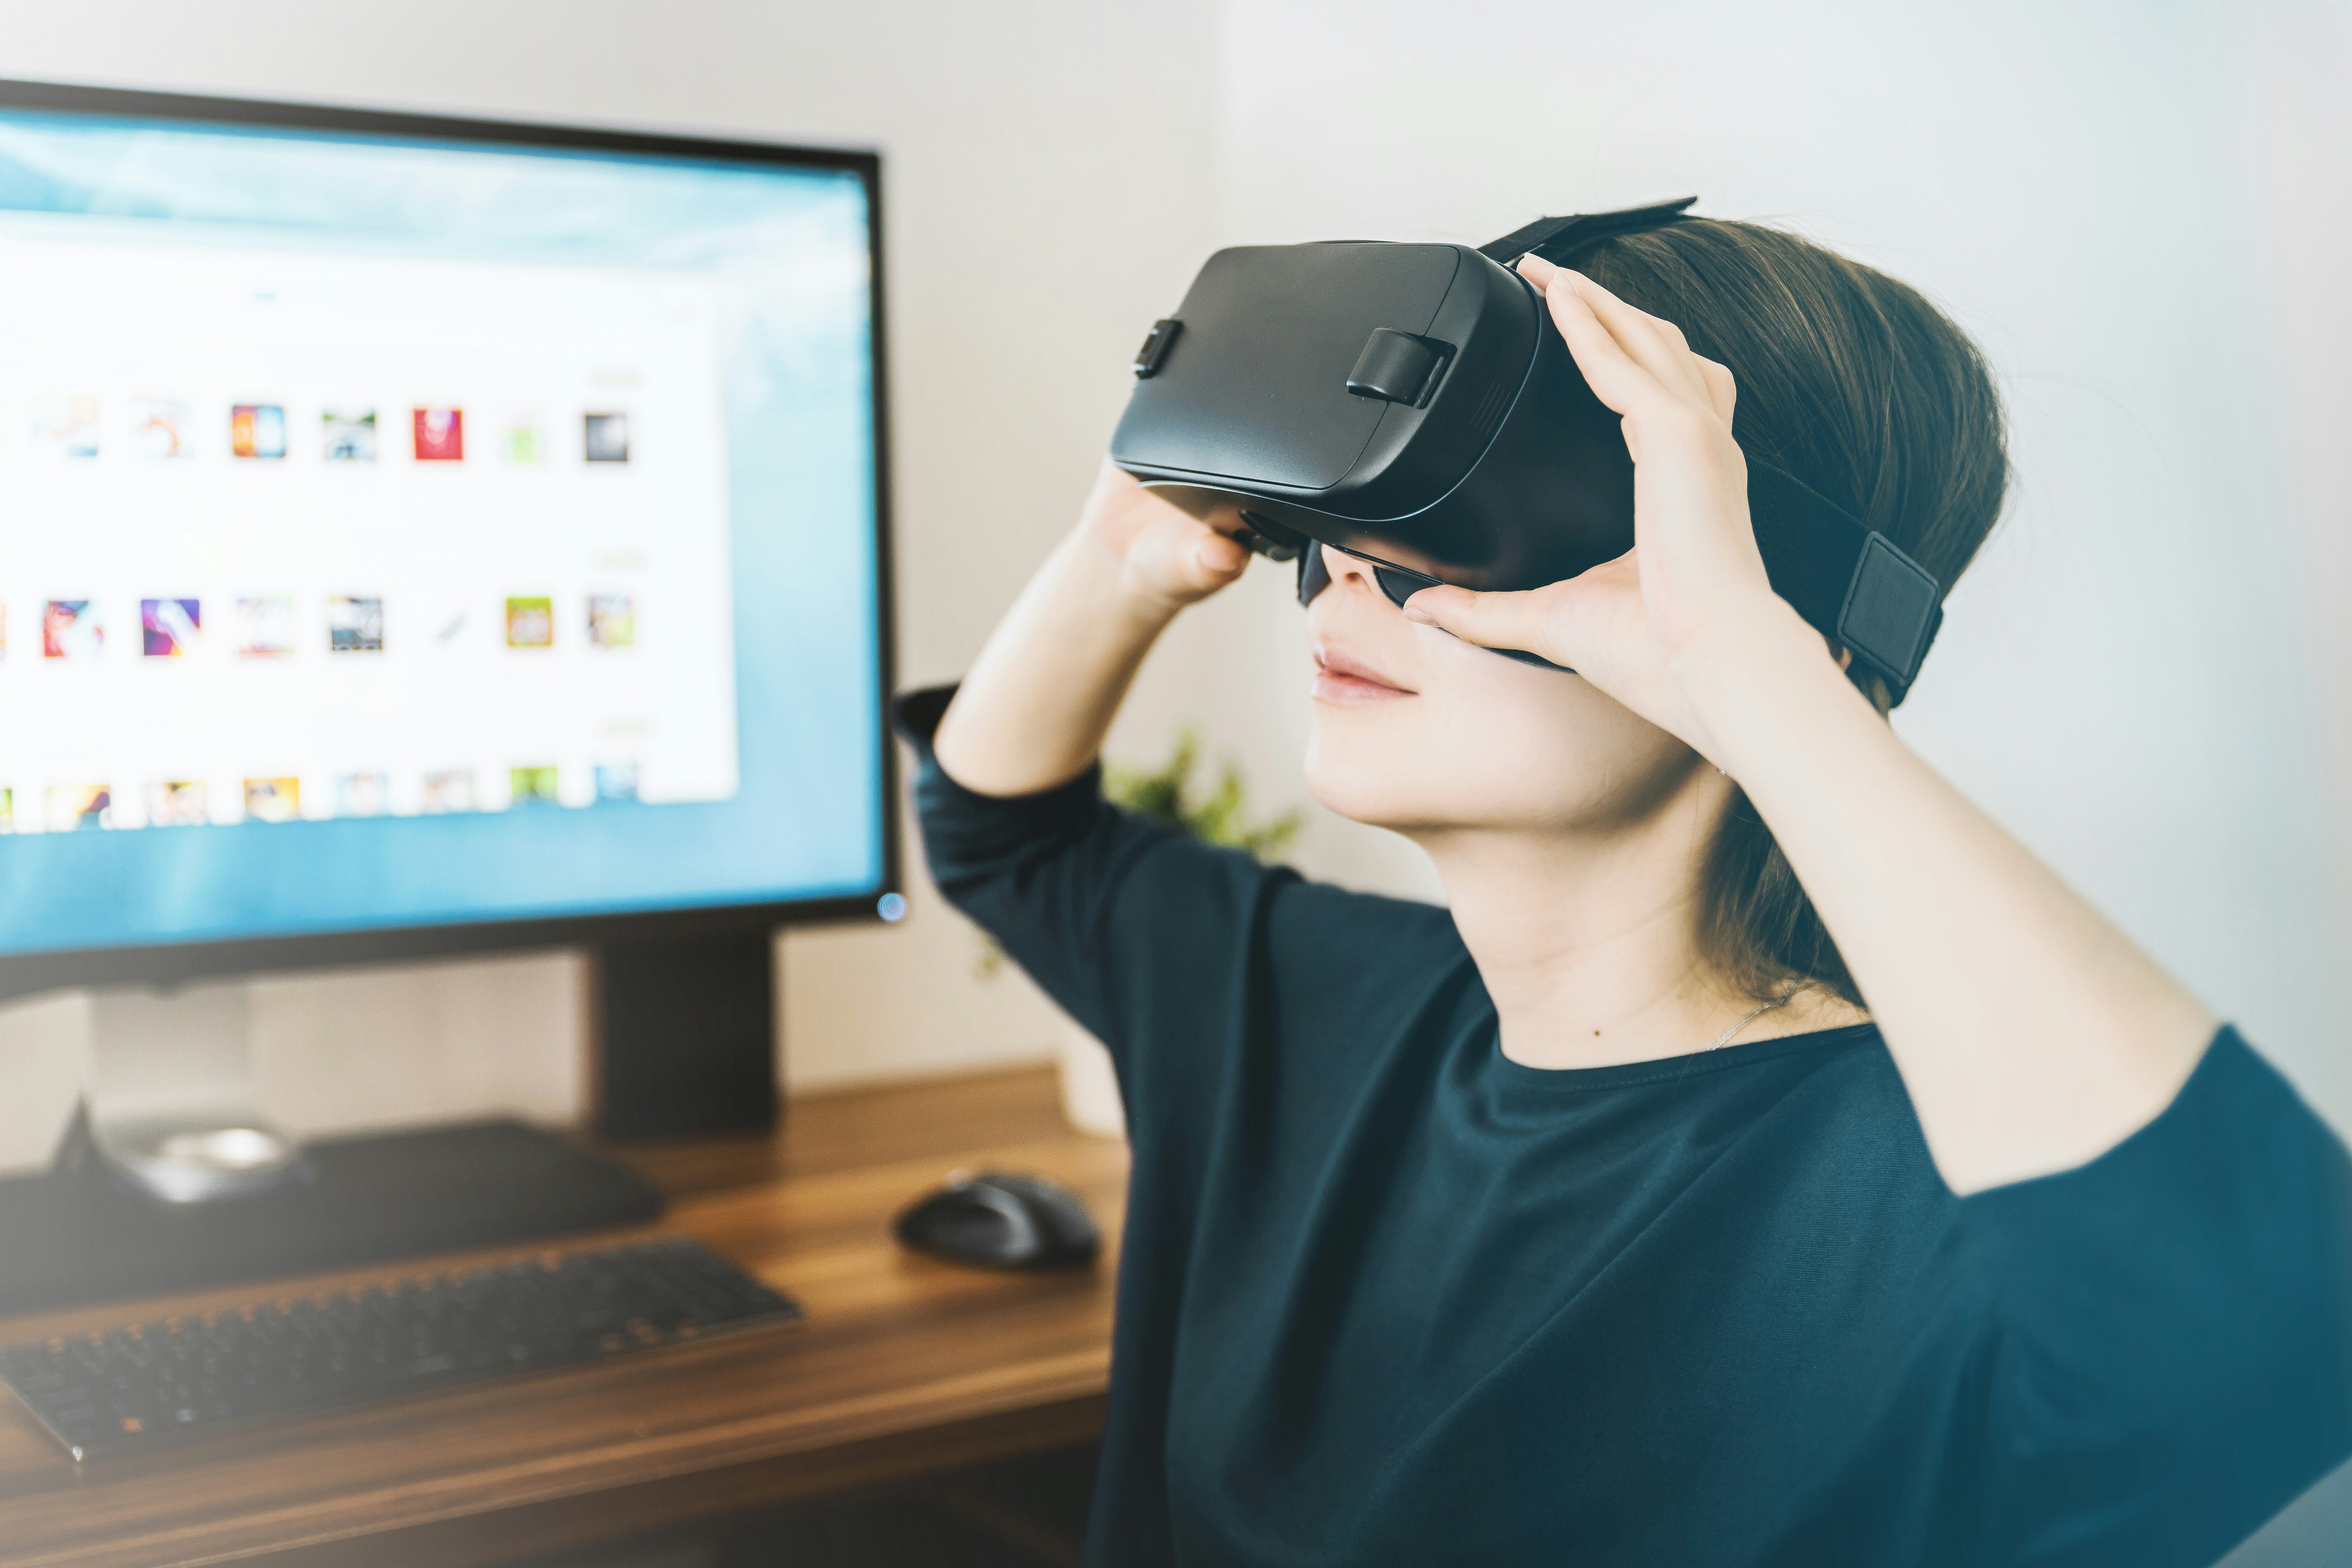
(1155, 347)
(1395, 367)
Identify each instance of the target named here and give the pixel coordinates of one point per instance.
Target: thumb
(1220, 558)
(1490, 620)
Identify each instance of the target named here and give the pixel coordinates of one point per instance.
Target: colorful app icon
(530, 623)
(616, 782)
(524, 441)
(604, 437)
(7, 811)
(264, 625)
(354, 626)
(177, 803)
(612, 620)
(448, 790)
(65, 425)
(532, 786)
(256, 430)
(350, 435)
(273, 799)
(72, 629)
(168, 627)
(159, 429)
(363, 795)
(440, 435)
(74, 808)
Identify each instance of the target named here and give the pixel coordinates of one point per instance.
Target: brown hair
(1857, 386)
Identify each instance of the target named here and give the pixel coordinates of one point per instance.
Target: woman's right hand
(1166, 555)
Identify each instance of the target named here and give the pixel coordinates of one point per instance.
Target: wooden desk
(905, 1366)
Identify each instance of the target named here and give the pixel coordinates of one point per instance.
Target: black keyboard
(123, 1388)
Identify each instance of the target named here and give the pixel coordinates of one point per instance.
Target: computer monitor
(422, 536)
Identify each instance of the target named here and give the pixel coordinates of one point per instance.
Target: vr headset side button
(1155, 347)
(1395, 367)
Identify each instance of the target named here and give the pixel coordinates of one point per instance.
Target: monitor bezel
(173, 964)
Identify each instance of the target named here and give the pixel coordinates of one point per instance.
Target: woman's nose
(1323, 565)
(1342, 567)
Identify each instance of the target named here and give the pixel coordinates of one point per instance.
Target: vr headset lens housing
(1413, 405)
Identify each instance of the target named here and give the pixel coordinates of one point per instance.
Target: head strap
(1558, 238)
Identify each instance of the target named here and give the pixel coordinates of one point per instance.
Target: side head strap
(1849, 582)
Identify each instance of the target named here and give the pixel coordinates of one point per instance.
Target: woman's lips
(1341, 680)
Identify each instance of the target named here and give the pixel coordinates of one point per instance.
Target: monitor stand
(170, 1107)
(169, 1180)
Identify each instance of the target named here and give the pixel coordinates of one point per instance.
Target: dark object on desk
(685, 1030)
(127, 1387)
(998, 1221)
(75, 1235)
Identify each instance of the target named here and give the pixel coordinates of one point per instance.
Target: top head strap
(1558, 238)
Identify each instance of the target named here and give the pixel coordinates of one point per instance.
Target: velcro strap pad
(1891, 611)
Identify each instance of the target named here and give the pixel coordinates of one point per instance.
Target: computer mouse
(992, 1220)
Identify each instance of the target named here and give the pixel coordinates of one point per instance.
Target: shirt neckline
(1521, 1078)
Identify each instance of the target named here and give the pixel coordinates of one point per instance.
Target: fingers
(1653, 345)
(1220, 558)
(1613, 373)
(1490, 620)
(1658, 347)
(1722, 389)
(1183, 562)
(1227, 521)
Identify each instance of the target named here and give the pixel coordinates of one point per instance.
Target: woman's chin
(1350, 780)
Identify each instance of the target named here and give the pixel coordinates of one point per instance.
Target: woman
(1764, 1160)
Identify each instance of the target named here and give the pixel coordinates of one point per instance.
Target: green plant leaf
(1166, 795)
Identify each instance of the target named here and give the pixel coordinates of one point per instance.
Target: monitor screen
(408, 530)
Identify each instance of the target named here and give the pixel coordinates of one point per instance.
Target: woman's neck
(1587, 938)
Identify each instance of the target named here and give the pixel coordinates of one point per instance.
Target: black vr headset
(1413, 405)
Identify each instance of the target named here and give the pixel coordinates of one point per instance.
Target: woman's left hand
(1693, 587)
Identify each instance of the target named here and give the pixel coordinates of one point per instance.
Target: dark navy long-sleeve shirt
(1389, 1298)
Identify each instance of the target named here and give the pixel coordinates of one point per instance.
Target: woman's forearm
(1033, 710)
(2032, 1035)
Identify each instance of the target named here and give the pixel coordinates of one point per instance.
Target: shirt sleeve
(1138, 931)
(2172, 1360)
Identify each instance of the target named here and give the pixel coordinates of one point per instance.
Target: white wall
(1046, 185)
(2141, 211)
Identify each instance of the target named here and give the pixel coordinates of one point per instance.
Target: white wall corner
(45, 1061)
